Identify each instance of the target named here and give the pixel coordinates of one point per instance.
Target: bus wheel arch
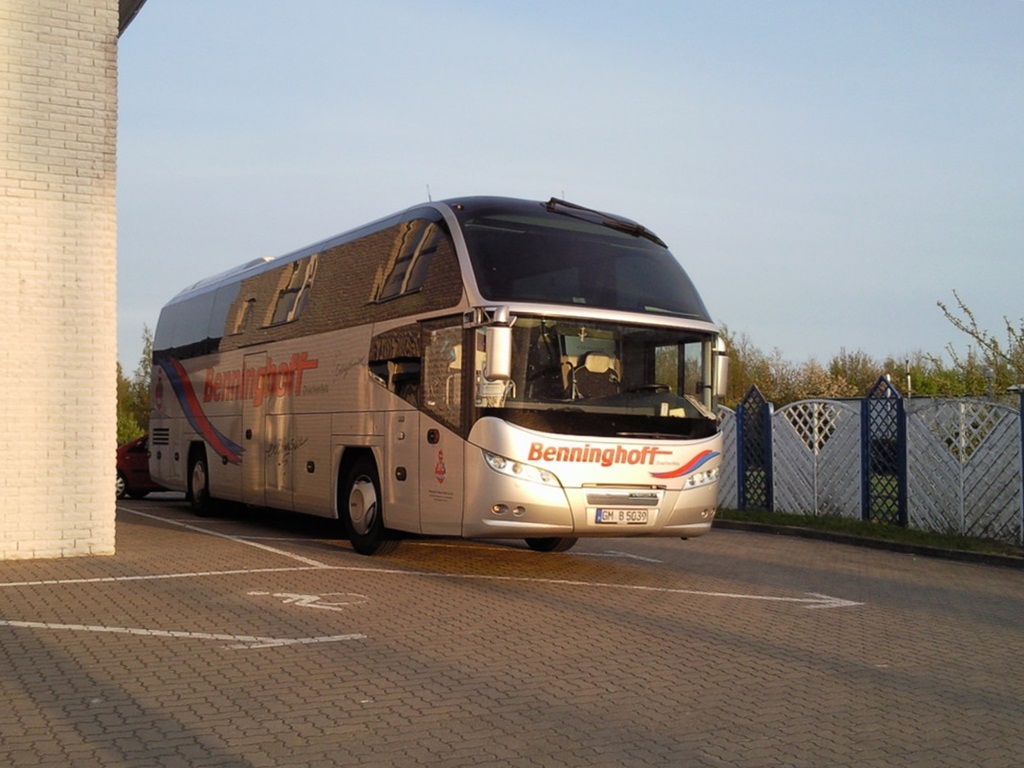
(360, 505)
(199, 479)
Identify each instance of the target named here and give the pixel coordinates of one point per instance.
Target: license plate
(621, 516)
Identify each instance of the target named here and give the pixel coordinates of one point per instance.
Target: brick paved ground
(284, 648)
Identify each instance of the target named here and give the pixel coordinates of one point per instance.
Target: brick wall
(58, 114)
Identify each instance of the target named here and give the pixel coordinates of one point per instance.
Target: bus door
(424, 469)
(441, 444)
(253, 435)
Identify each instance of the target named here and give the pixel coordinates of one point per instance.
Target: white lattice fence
(964, 468)
(816, 458)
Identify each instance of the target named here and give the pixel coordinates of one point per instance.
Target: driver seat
(594, 376)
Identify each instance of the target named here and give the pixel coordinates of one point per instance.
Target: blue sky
(825, 171)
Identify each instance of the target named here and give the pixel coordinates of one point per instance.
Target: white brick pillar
(58, 248)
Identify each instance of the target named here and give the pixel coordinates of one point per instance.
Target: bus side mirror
(498, 363)
(721, 358)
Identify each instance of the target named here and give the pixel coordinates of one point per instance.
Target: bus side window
(293, 293)
(245, 310)
(401, 376)
(441, 394)
(406, 269)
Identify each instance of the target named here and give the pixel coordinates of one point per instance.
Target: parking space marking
(228, 536)
(812, 600)
(340, 600)
(238, 641)
(815, 599)
(159, 576)
(614, 553)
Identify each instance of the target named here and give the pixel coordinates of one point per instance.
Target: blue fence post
(754, 452)
(741, 463)
(883, 448)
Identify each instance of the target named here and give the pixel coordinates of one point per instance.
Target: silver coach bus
(482, 367)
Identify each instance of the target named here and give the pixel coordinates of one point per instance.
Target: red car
(133, 470)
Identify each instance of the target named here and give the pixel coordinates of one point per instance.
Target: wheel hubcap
(362, 505)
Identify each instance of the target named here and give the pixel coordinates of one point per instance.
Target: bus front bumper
(510, 508)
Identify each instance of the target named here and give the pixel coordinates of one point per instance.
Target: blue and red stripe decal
(689, 467)
(182, 386)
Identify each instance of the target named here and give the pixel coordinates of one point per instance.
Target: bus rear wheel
(359, 505)
(552, 543)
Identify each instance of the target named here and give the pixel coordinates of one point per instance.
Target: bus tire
(199, 481)
(359, 505)
(552, 543)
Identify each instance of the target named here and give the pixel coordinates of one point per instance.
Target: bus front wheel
(552, 543)
(359, 505)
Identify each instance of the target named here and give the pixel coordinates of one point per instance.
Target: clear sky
(825, 171)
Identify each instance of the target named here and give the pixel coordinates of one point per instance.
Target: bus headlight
(519, 470)
(698, 479)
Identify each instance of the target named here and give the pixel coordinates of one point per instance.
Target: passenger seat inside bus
(595, 375)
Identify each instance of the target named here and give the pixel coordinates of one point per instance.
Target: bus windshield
(588, 377)
(532, 253)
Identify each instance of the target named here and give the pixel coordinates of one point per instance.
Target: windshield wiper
(606, 219)
(652, 435)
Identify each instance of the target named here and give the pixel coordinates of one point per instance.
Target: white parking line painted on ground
(238, 641)
(158, 576)
(812, 600)
(617, 554)
(229, 537)
(816, 599)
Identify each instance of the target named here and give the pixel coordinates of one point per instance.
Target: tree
(743, 356)
(133, 394)
(748, 366)
(987, 368)
(858, 370)
(780, 381)
(995, 365)
(813, 381)
(142, 379)
(127, 426)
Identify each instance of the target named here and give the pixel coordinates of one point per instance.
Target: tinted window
(416, 246)
(550, 257)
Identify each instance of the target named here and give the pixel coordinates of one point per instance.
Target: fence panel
(728, 492)
(816, 446)
(964, 468)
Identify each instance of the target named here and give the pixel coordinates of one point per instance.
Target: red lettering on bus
(260, 384)
(589, 454)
